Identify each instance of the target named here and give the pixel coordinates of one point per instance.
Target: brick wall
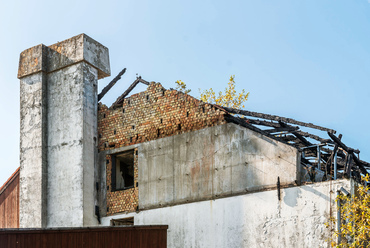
(123, 200)
(148, 115)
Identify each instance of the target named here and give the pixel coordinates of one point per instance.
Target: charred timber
(276, 118)
(341, 144)
(262, 123)
(129, 89)
(111, 84)
(281, 129)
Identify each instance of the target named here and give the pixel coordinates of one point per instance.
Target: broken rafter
(111, 84)
(300, 137)
(331, 158)
(315, 137)
(129, 89)
(276, 118)
(242, 122)
(282, 129)
(341, 144)
(350, 151)
(262, 123)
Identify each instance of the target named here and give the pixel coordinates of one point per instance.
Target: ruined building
(218, 177)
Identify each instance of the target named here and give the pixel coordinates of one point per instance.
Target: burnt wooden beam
(330, 159)
(143, 81)
(350, 151)
(341, 144)
(276, 118)
(262, 123)
(111, 84)
(361, 165)
(241, 122)
(129, 89)
(315, 137)
(289, 138)
(300, 137)
(281, 129)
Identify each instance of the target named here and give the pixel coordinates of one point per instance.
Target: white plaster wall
(252, 220)
(210, 163)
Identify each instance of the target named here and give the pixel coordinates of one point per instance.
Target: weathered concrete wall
(32, 199)
(251, 220)
(59, 132)
(70, 152)
(210, 163)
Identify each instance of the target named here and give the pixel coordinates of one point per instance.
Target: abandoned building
(216, 176)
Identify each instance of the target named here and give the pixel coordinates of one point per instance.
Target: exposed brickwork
(149, 115)
(123, 200)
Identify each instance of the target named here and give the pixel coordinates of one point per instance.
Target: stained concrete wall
(32, 198)
(59, 132)
(213, 162)
(252, 220)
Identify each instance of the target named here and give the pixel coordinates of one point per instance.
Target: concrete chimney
(58, 115)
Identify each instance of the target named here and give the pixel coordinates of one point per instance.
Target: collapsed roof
(328, 155)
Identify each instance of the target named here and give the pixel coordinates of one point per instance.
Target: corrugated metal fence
(105, 237)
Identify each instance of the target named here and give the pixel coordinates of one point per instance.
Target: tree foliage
(355, 216)
(181, 86)
(229, 98)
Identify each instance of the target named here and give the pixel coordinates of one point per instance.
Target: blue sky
(308, 60)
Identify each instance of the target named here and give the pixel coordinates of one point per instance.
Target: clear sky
(308, 60)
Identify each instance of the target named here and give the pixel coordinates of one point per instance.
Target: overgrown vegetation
(228, 98)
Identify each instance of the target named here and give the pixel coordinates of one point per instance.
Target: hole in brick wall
(130, 139)
(107, 161)
(115, 132)
(163, 92)
(128, 102)
(147, 97)
(123, 172)
(137, 184)
(112, 145)
(161, 121)
(179, 126)
(158, 132)
(108, 187)
(203, 109)
(136, 152)
(123, 110)
(103, 115)
(99, 135)
(187, 114)
(107, 209)
(137, 136)
(133, 127)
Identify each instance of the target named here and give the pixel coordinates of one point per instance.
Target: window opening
(123, 170)
(122, 222)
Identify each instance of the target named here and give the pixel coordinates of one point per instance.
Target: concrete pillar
(59, 131)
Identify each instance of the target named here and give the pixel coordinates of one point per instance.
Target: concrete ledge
(62, 54)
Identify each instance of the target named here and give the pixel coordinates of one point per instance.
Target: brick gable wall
(149, 115)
